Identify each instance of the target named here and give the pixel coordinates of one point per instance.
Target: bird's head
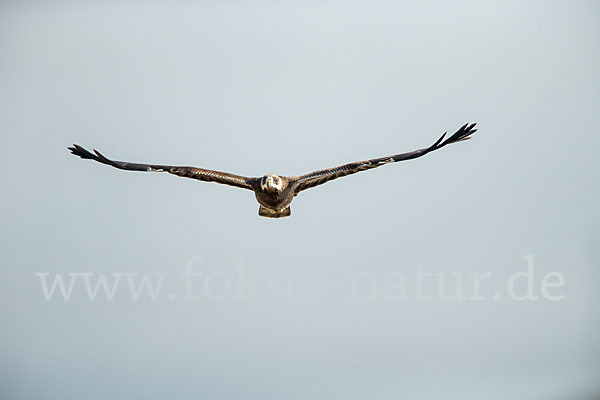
(271, 183)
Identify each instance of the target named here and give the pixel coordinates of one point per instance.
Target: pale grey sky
(303, 307)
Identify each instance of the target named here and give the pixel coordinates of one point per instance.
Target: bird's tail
(265, 212)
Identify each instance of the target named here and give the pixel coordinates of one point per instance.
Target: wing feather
(206, 175)
(319, 177)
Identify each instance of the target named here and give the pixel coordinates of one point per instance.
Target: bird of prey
(274, 193)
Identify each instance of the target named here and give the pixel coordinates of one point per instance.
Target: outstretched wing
(206, 175)
(319, 177)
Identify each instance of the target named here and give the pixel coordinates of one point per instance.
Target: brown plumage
(275, 193)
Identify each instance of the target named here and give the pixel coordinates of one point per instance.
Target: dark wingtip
(463, 133)
(101, 157)
(77, 150)
(437, 143)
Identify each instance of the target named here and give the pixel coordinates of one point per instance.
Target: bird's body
(275, 193)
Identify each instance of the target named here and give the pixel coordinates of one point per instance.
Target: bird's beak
(269, 182)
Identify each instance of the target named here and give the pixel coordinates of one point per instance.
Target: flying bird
(274, 193)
